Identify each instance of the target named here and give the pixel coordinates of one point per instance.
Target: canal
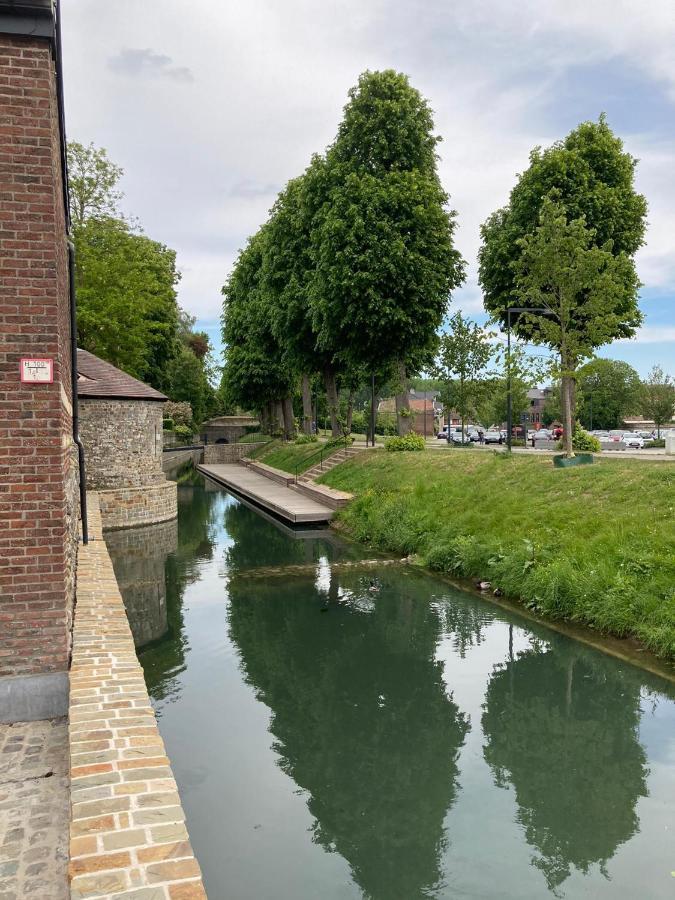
(340, 731)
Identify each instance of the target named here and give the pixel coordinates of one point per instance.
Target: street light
(509, 399)
(592, 381)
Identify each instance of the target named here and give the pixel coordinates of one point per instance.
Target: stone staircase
(329, 463)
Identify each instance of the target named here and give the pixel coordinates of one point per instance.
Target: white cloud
(652, 334)
(203, 159)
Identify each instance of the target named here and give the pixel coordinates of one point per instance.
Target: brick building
(38, 456)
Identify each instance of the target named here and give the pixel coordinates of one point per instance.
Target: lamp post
(593, 382)
(509, 399)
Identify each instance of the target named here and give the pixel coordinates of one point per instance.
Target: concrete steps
(329, 463)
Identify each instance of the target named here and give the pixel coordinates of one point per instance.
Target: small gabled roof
(99, 379)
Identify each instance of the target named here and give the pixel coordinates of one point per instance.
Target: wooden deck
(276, 498)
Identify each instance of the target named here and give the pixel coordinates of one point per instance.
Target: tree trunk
(277, 417)
(350, 412)
(566, 401)
(289, 419)
(403, 417)
(264, 419)
(332, 397)
(306, 405)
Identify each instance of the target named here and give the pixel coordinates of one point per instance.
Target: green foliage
(383, 243)
(92, 183)
(168, 424)
(610, 388)
(583, 441)
(410, 441)
(126, 295)
(306, 439)
(179, 412)
(657, 400)
(255, 373)
(464, 353)
(187, 382)
(593, 179)
(594, 546)
(183, 431)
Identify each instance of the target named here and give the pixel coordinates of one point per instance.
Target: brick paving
(128, 839)
(34, 810)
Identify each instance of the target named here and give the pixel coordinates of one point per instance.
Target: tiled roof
(97, 378)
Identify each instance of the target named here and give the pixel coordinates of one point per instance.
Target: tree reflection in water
(360, 715)
(562, 728)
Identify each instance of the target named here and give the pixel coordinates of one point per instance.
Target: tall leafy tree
(385, 263)
(92, 183)
(126, 291)
(255, 375)
(287, 270)
(465, 350)
(607, 391)
(592, 177)
(589, 295)
(658, 398)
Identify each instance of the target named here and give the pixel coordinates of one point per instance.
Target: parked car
(615, 435)
(494, 436)
(443, 433)
(634, 441)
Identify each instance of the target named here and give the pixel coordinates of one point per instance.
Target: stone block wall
(215, 454)
(128, 836)
(38, 478)
(127, 507)
(122, 441)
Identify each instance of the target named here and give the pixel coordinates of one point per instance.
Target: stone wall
(215, 454)
(127, 507)
(123, 449)
(127, 833)
(38, 486)
(122, 441)
(228, 428)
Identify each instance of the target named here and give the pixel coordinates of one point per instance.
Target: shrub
(306, 439)
(409, 442)
(657, 442)
(179, 411)
(583, 441)
(167, 424)
(183, 431)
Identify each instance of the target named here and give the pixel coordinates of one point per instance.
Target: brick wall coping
(127, 833)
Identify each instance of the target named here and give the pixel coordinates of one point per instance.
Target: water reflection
(139, 557)
(257, 541)
(360, 717)
(563, 729)
(339, 732)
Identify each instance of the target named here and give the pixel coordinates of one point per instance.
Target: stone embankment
(127, 835)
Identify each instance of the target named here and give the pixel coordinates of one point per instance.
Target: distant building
(121, 429)
(426, 409)
(537, 399)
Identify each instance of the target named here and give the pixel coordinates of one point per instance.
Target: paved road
(650, 455)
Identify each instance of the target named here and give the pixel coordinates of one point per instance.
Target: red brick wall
(37, 474)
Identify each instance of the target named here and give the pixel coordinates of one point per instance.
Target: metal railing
(326, 450)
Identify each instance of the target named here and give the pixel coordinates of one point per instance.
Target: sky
(212, 106)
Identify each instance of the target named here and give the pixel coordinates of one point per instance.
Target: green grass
(591, 544)
(287, 456)
(253, 437)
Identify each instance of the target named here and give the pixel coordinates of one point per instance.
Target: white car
(634, 441)
(493, 436)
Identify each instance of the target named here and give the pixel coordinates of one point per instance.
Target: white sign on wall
(37, 371)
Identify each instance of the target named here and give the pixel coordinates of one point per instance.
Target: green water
(342, 733)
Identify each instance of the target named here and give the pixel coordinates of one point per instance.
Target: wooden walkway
(276, 498)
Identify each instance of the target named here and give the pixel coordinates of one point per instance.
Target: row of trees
(351, 275)
(609, 390)
(353, 271)
(128, 312)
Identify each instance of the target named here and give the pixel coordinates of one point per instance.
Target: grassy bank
(286, 456)
(593, 544)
